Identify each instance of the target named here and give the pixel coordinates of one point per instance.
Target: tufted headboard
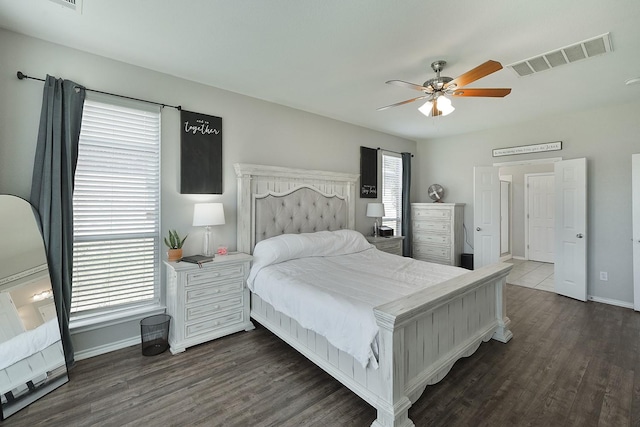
(275, 200)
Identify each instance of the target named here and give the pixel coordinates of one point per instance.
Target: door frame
(527, 207)
(635, 197)
(509, 179)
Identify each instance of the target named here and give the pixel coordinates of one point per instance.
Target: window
(116, 207)
(392, 191)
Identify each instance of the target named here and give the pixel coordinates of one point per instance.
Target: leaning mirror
(31, 356)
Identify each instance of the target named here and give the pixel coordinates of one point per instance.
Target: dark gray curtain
(52, 189)
(406, 204)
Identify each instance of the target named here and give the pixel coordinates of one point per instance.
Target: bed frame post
(393, 410)
(502, 333)
(244, 207)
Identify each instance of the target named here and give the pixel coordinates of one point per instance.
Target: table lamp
(375, 210)
(206, 215)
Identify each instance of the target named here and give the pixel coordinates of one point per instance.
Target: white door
(505, 225)
(486, 215)
(571, 221)
(635, 189)
(540, 217)
(10, 322)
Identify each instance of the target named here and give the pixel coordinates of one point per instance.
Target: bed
(420, 335)
(27, 358)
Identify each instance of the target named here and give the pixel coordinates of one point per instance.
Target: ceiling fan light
(426, 108)
(444, 105)
(443, 102)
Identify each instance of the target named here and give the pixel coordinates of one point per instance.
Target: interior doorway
(569, 206)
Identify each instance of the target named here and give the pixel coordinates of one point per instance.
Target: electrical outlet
(604, 276)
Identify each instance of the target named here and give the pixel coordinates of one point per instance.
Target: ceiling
(332, 57)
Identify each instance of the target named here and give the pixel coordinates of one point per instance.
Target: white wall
(254, 131)
(606, 137)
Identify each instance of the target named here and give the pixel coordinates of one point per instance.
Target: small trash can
(155, 334)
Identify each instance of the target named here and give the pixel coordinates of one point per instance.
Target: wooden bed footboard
(421, 337)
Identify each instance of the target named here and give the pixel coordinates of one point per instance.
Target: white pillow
(292, 246)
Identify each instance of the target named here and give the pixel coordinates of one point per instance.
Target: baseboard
(615, 302)
(113, 346)
(519, 257)
(506, 257)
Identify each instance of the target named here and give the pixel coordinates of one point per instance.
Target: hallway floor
(531, 274)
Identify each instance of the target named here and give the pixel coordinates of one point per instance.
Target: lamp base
(207, 242)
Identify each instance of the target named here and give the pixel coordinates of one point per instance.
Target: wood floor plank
(569, 363)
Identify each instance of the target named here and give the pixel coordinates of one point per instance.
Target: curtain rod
(23, 76)
(391, 151)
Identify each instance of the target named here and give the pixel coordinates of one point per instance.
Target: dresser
(207, 302)
(437, 232)
(392, 244)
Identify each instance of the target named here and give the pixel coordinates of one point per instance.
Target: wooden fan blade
(494, 93)
(402, 103)
(477, 73)
(406, 84)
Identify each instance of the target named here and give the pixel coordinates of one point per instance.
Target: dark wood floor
(569, 363)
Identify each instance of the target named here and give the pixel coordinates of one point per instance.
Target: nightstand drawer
(196, 294)
(392, 247)
(213, 306)
(209, 275)
(214, 323)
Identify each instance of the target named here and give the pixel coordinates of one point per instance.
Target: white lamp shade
(205, 214)
(375, 210)
(443, 105)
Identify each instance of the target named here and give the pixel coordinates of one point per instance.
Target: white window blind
(392, 192)
(116, 206)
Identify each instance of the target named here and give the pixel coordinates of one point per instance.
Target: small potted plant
(175, 245)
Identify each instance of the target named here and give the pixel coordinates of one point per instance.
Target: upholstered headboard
(276, 200)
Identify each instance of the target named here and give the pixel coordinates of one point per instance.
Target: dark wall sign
(200, 153)
(368, 173)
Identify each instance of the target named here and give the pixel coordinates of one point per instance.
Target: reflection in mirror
(31, 356)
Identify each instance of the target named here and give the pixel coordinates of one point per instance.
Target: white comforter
(329, 282)
(27, 343)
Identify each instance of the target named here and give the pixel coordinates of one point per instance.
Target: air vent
(71, 4)
(576, 52)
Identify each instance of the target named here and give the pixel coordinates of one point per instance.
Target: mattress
(329, 282)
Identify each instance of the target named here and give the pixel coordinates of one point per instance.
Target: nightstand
(207, 302)
(392, 244)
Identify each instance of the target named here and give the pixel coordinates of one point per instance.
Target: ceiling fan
(435, 89)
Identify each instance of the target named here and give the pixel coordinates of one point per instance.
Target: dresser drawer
(432, 226)
(213, 306)
(209, 275)
(214, 323)
(433, 238)
(428, 251)
(208, 291)
(444, 214)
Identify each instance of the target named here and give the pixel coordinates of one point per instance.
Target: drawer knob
(478, 229)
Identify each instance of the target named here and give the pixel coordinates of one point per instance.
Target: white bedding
(27, 343)
(329, 282)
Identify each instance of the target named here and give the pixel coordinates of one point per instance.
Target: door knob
(579, 235)
(478, 229)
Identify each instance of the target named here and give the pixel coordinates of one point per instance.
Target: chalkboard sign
(200, 153)
(368, 173)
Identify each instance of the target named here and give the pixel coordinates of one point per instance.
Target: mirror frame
(32, 362)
